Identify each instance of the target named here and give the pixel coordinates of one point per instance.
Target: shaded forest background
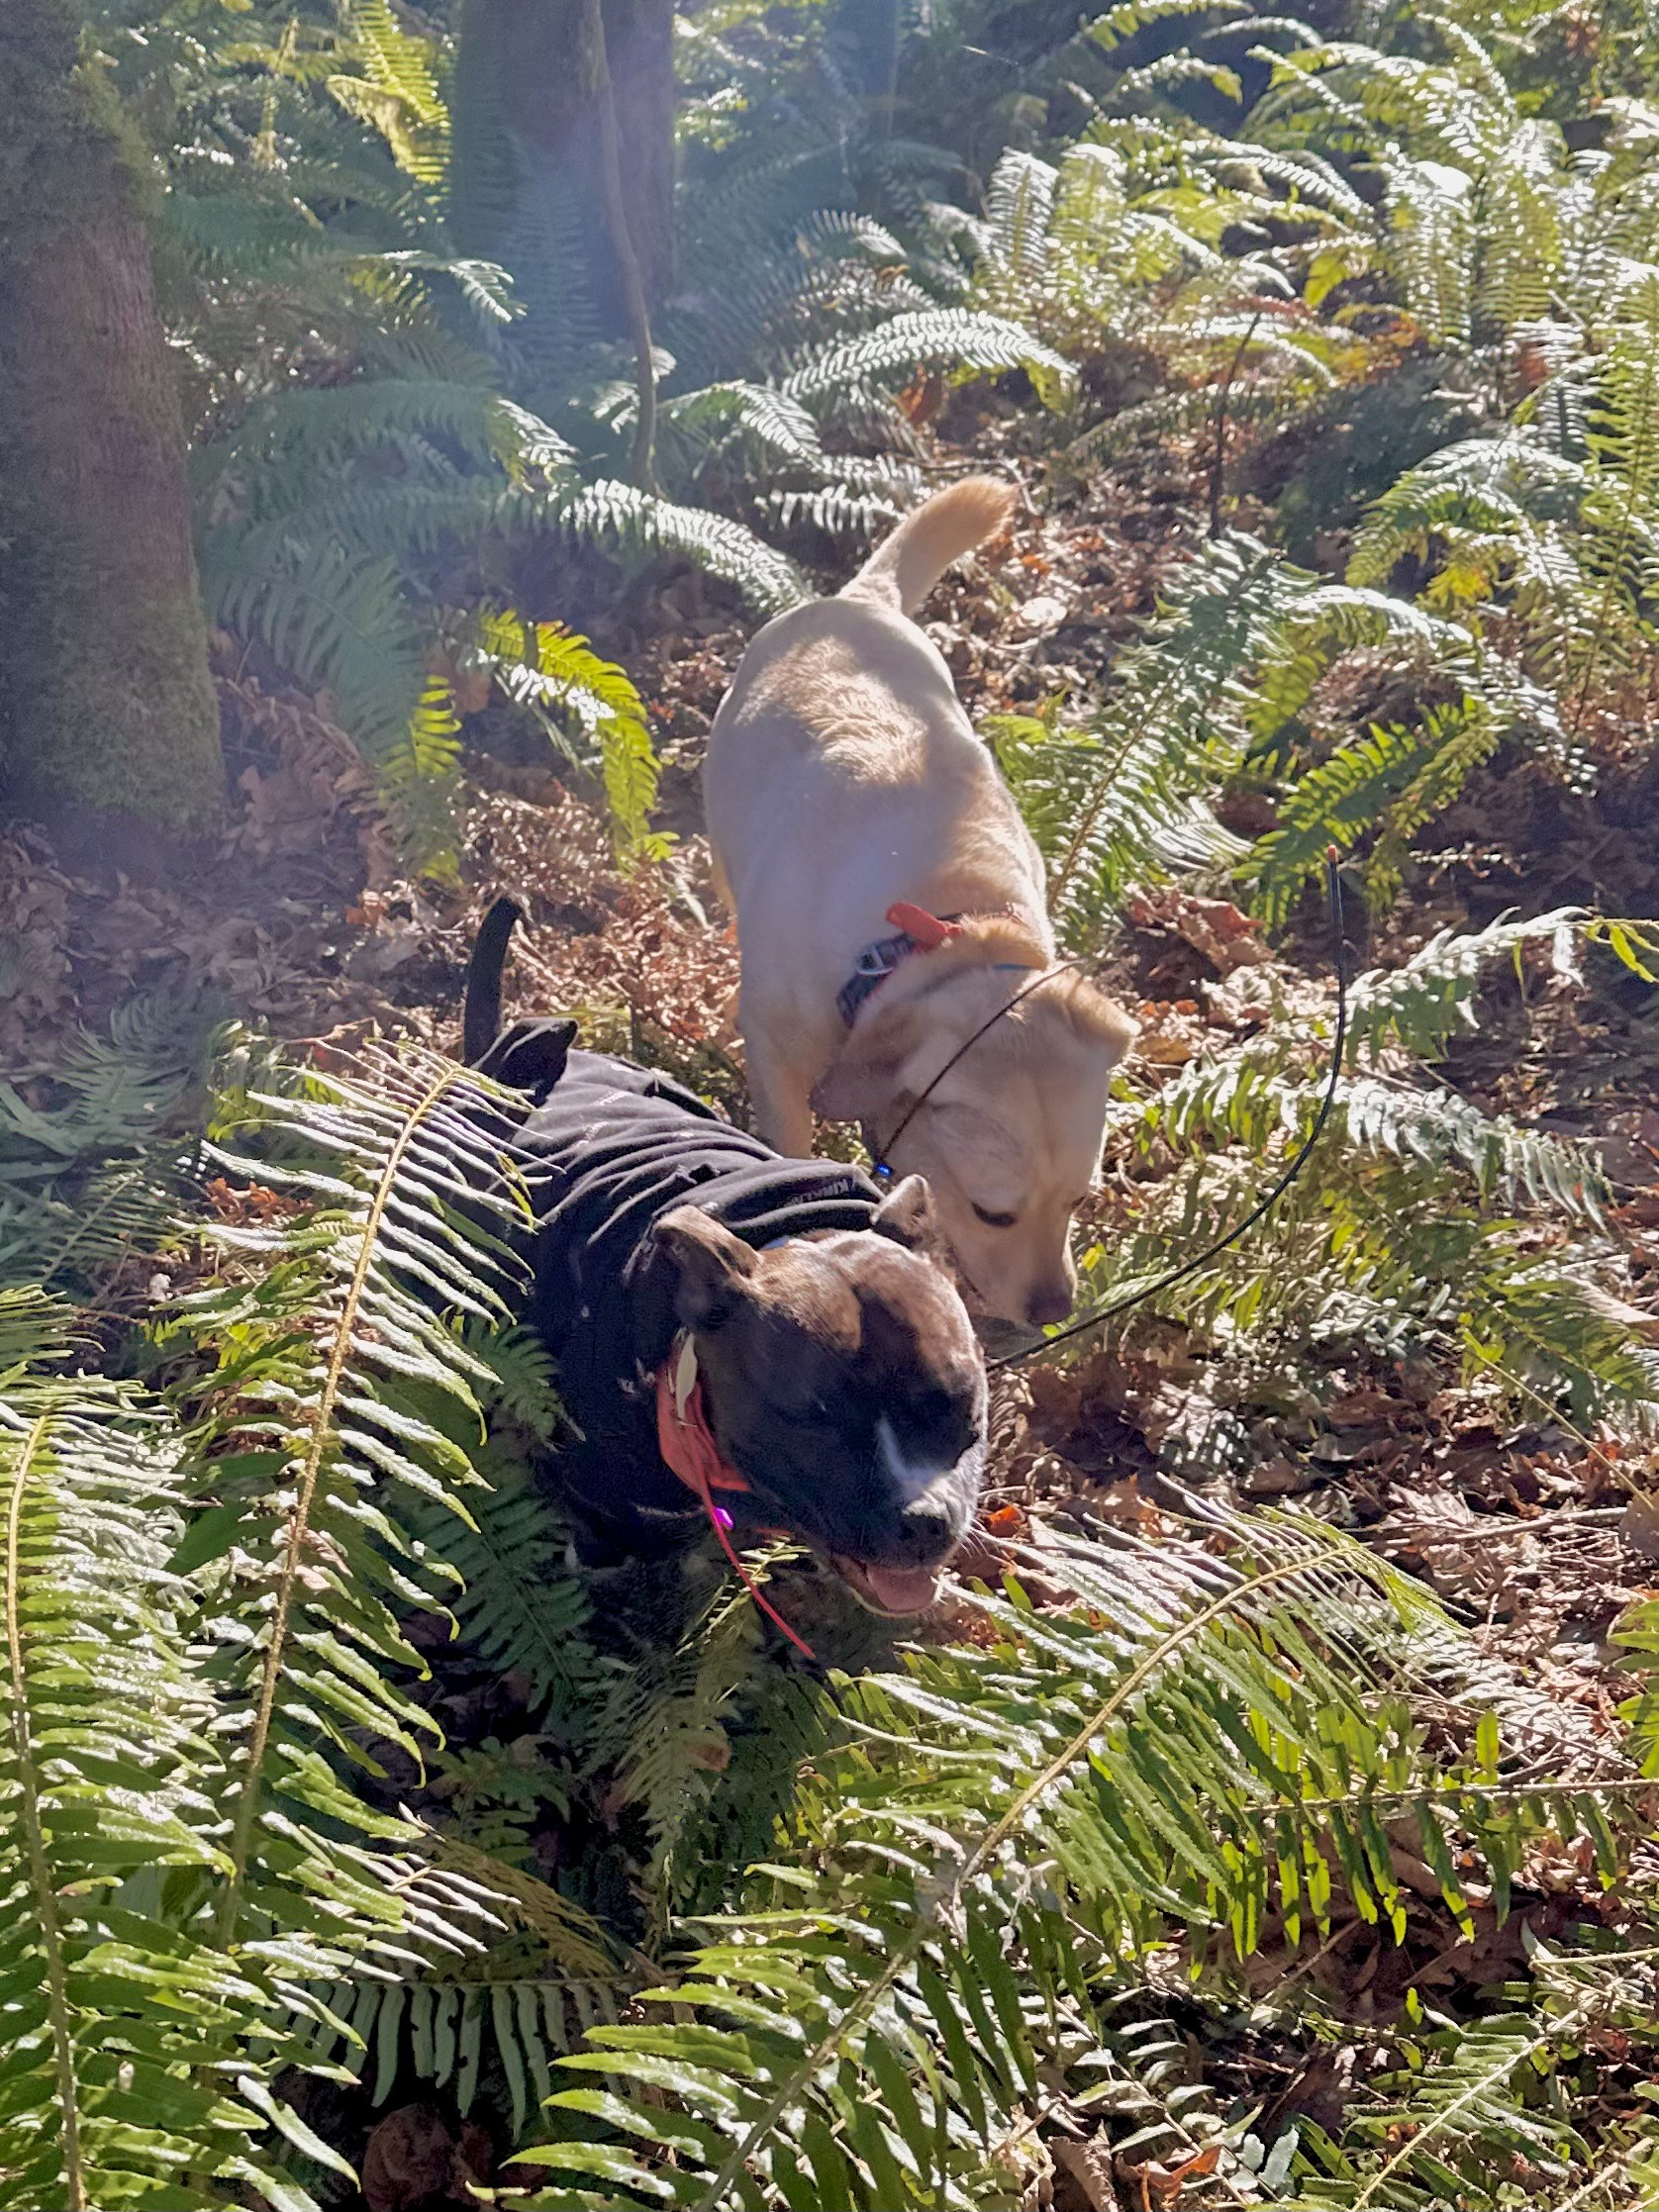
(410, 416)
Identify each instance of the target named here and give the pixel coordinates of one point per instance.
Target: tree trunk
(104, 681)
(527, 137)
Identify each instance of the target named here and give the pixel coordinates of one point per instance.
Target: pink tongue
(902, 1589)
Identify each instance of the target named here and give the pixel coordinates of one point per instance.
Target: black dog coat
(848, 1393)
(606, 1151)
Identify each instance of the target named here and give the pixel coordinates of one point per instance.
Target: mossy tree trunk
(528, 115)
(104, 685)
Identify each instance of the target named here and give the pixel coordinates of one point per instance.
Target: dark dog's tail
(531, 1056)
(481, 1020)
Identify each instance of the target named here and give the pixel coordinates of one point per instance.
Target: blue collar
(871, 970)
(878, 961)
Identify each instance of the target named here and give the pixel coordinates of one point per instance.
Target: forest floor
(297, 917)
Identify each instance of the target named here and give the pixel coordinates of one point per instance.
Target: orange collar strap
(683, 1435)
(688, 1448)
(928, 931)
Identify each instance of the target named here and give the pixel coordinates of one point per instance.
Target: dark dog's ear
(863, 1081)
(531, 1056)
(905, 1216)
(712, 1266)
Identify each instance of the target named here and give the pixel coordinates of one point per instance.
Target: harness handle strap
(927, 929)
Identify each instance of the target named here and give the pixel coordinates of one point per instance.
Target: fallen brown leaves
(239, 1209)
(1092, 2179)
(417, 2161)
(1226, 937)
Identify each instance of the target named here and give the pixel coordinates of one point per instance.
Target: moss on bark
(107, 698)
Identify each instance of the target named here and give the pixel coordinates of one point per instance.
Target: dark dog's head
(844, 1384)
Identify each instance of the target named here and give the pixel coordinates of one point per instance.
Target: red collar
(689, 1450)
(683, 1435)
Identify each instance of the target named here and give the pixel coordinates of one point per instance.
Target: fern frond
(757, 288)
(860, 369)
(1247, 1099)
(1127, 798)
(393, 1236)
(1473, 192)
(1507, 1162)
(397, 93)
(840, 513)
(1387, 782)
(631, 521)
(102, 1168)
(1430, 998)
(293, 442)
(677, 1748)
(432, 746)
(332, 618)
(1327, 620)
(779, 426)
(1019, 209)
(443, 2029)
(550, 672)
(1110, 29)
(1470, 492)
(1185, 412)
(1393, 1236)
(559, 338)
(864, 2031)
(523, 1607)
(1624, 441)
(127, 2062)
(1556, 1327)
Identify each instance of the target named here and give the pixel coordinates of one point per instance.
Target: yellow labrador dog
(889, 902)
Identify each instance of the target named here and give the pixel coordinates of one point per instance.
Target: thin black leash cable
(882, 1170)
(1334, 895)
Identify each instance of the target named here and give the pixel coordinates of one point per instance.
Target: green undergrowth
(325, 1763)
(329, 1781)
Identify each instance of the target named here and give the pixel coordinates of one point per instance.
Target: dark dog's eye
(995, 1221)
(933, 1410)
(809, 1415)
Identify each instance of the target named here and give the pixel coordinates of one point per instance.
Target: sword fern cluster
(1422, 1226)
(953, 1931)
(240, 1844)
(1390, 227)
(383, 425)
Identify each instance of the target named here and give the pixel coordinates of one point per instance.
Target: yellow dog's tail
(903, 571)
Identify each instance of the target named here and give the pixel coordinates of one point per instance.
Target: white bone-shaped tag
(685, 1376)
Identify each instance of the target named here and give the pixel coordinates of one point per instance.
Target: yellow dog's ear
(865, 1081)
(1097, 1020)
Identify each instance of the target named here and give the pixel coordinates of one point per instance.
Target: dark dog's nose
(929, 1530)
(1052, 1303)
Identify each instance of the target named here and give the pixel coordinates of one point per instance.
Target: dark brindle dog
(737, 1333)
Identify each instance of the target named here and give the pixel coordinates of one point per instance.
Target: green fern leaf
(106, 1784)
